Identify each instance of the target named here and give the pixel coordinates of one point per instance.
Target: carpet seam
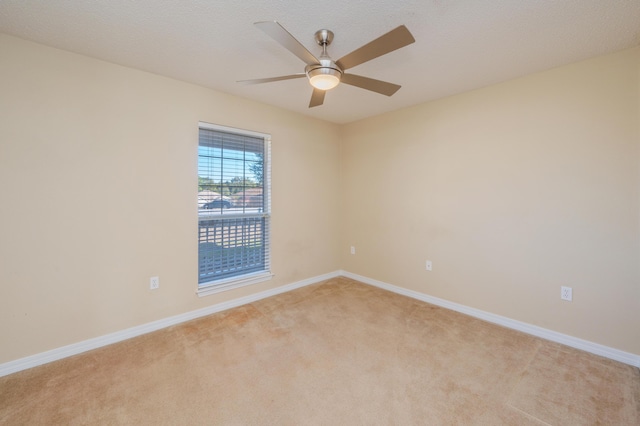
(529, 415)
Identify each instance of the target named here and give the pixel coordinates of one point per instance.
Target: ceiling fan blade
(282, 36)
(317, 98)
(270, 79)
(367, 83)
(394, 39)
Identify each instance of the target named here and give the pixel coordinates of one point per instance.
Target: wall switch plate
(429, 265)
(154, 283)
(566, 293)
(353, 250)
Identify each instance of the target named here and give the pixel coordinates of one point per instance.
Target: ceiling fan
(324, 73)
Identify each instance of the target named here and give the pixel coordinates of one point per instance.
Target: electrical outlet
(429, 265)
(154, 283)
(353, 250)
(566, 293)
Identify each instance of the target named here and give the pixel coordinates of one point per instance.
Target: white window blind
(233, 206)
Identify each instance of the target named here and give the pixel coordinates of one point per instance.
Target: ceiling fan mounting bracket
(324, 37)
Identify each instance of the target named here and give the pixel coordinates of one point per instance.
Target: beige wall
(512, 191)
(98, 193)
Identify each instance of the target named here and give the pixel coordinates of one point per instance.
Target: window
(233, 208)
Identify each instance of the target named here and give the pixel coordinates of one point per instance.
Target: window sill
(231, 283)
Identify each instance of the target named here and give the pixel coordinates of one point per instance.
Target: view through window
(233, 206)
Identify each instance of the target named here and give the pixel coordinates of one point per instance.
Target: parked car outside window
(218, 203)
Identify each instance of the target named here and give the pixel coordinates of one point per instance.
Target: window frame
(229, 283)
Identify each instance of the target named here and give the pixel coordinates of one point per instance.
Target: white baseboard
(574, 342)
(97, 342)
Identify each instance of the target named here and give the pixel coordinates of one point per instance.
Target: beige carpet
(335, 353)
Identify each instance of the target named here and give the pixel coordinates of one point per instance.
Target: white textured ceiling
(460, 44)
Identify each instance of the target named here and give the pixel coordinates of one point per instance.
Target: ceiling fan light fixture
(324, 77)
(324, 81)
